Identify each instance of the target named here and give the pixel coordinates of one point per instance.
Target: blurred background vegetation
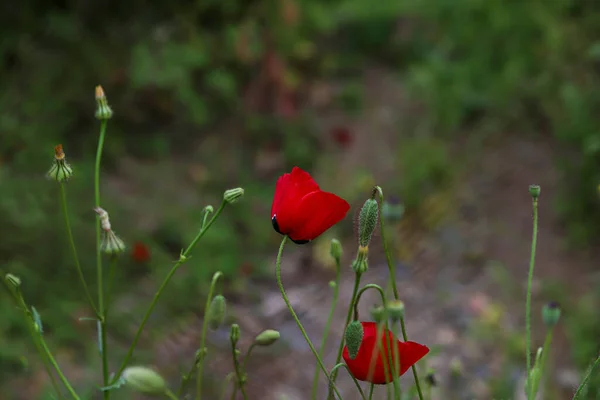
(214, 94)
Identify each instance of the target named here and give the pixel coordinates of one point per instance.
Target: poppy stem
(342, 365)
(336, 291)
(586, 379)
(238, 371)
(414, 369)
(295, 317)
(371, 390)
(545, 351)
(200, 367)
(529, 388)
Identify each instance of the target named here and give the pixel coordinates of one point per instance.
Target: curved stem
(371, 390)
(100, 275)
(392, 271)
(182, 258)
(336, 291)
(353, 300)
(342, 365)
(170, 395)
(294, 316)
(528, 301)
(199, 371)
(586, 379)
(63, 201)
(252, 346)
(238, 371)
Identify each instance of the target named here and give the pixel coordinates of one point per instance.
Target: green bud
(234, 333)
(112, 244)
(103, 110)
(354, 337)
(367, 221)
(216, 312)
(60, 171)
(144, 380)
(335, 249)
(396, 310)
(378, 314)
(267, 337)
(534, 191)
(551, 314)
(430, 378)
(232, 195)
(332, 284)
(13, 280)
(360, 264)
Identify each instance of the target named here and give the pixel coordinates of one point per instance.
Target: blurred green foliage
(174, 71)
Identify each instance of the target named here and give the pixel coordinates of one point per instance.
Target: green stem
(62, 377)
(396, 359)
(528, 301)
(371, 390)
(100, 275)
(244, 361)
(234, 392)
(392, 271)
(342, 365)
(199, 371)
(586, 379)
(545, 351)
(170, 395)
(388, 392)
(336, 291)
(294, 316)
(112, 269)
(353, 300)
(63, 201)
(238, 373)
(225, 385)
(182, 258)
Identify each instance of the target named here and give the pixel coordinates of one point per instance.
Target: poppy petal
(289, 191)
(317, 212)
(410, 353)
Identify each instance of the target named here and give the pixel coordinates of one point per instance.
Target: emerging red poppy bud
(302, 210)
(408, 352)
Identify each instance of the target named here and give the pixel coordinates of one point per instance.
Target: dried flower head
(60, 171)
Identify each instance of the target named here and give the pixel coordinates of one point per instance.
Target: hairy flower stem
(240, 378)
(586, 379)
(342, 365)
(295, 317)
(529, 389)
(336, 291)
(200, 370)
(63, 201)
(392, 272)
(182, 258)
(100, 275)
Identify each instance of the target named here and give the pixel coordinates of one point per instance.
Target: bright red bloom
(409, 353)
(302, 210)
(140, 252)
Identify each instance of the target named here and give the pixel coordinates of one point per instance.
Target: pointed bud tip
(100, 93)
(233, 195)
(267, 337)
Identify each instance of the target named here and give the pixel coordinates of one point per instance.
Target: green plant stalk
(342, 365)
(245, 360)
(63, 201)
(336, 291)
(170, 395)
(371, 390)
(225, 385)
(396, 360)
(200, 369)
(586, 379)
(234, 392)
(100, 275)
(238, 372)
(62, 377)
(112, 269)
(295, 317)
(182, 258)
(392, 271)
(388, 392)
(353, 300)
(545, 351)
(528, 300)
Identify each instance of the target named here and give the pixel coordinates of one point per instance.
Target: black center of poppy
(276, 227)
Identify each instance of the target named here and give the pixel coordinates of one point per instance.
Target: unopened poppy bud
(103, 110)
(430, 378)
(232, 195)
(534, 191)
(360, 264)
(216, 312)
(267, 337)
(335, 249)
(13, 280)
(144, 380)
(60, 171)
(367, 221)
(551, 313)
(354, 337)
(234, 333)
(396, 310)
(378, 314)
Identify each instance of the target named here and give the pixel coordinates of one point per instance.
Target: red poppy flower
(140, 252)
(302, 210)
(409, 353)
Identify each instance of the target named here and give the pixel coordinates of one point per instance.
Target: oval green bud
(267, 337)
(354, 337)
(234, 333)
(216, 312)
(378, 314)
(551, 314)
(232, 195)
(367, 221)
(396, 310)
(335, 249)
(144, 380)
(534, 191)
(13, 280)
